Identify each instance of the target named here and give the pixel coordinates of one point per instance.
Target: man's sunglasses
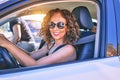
(60, 25)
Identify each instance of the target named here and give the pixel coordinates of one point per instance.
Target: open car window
(34, 14)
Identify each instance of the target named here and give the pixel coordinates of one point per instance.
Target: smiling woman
(63, 35)
(34, 17)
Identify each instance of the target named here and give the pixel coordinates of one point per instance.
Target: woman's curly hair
(74, 30)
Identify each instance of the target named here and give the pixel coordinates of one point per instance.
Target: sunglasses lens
(60, 25)
(51, 25)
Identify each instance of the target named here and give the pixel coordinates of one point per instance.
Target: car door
(112, 24)
(117, 12)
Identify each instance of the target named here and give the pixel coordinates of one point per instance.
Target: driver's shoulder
(68, 48)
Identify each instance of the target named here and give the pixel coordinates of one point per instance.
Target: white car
(94, 61)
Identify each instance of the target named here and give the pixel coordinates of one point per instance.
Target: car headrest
(83, 17)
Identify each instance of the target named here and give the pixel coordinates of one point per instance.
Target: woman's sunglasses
(60, 25)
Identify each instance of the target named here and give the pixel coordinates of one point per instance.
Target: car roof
(14, 4)
(42, 7)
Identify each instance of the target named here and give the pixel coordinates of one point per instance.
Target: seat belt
(86, 39)
(59, 47)
(41, 44)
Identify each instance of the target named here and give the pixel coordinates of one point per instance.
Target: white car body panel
(89, 70)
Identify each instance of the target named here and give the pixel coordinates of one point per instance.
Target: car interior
(84, 12)
(85, 44)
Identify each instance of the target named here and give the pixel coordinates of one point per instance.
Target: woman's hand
(3, 40)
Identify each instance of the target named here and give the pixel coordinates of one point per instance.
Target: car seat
(86, 42)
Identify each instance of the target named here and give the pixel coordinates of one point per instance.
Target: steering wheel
(8, 58)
